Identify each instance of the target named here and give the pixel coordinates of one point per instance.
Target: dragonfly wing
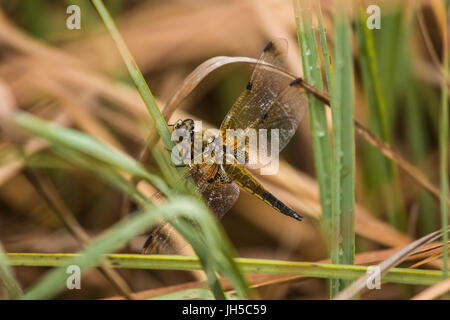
(216, 188)
(284, 114)
(263, 87)
(158, 240)
(271, 100)
(272, 54)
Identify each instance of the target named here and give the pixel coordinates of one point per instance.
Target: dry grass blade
(298, 189)
(196, 76)
(188, 85)
(434, 258)
(434, 292)
(302, 192)
(401, 162)
(439, 10)
(31, 147)
(359, 285)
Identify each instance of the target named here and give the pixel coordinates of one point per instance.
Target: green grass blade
(136, 75)
(211, 253)
(387, 42)
(112, 240)
(418, 142)
(317, 118)
(248, 265)
(343, 235)
(7, 277)
(88, 145)
(324, 46)
(329, 79)
(369, 65)
(105, 173)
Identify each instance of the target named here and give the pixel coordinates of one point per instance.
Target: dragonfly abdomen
(271, 200)
(245, 180)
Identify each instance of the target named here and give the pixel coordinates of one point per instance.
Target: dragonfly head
(187, 124)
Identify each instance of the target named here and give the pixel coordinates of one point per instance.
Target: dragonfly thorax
(204, 146)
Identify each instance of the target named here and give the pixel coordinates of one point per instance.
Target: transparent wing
(217, 189)
(262, 89)
(158, 240)
(270, 101)
(284, 114)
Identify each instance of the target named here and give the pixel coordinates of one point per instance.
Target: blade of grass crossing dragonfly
(138, 79)
(135, 73)
(76, 145)
(115, 237)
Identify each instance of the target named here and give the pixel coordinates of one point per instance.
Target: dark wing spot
(296, 81)
(268, 46)
(249, 86)
(264, 116)
(148, 241)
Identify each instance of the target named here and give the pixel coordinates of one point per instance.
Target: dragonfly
(271, 100)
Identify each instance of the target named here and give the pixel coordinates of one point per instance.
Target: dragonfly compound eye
(178, 124)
